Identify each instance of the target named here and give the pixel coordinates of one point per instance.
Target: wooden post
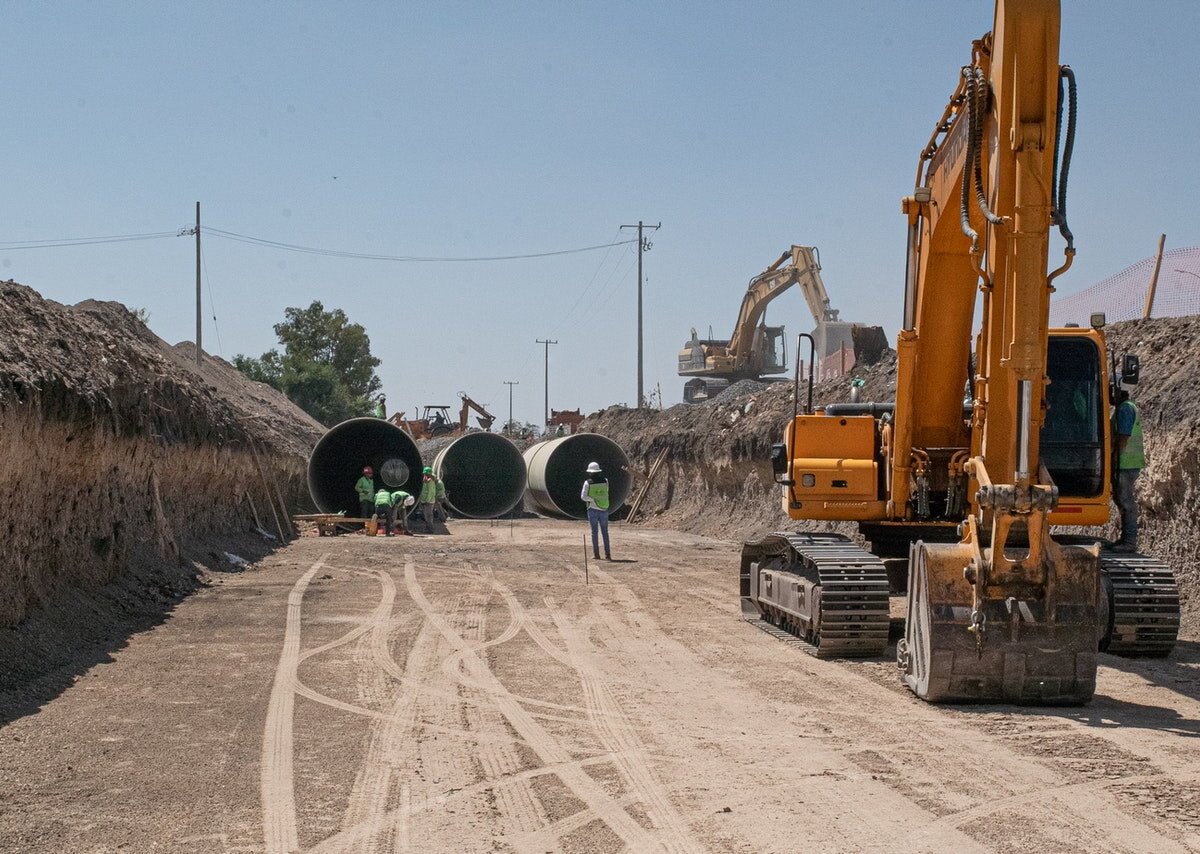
(267, 486)
(1162, 239)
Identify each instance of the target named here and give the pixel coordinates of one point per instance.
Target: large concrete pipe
(337, 461)
(483, 473)
(558, 468)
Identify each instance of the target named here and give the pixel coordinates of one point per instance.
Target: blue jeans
(599, 519)
(1127, 505)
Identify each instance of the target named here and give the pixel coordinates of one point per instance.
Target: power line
(212, 305)
(82, 241)
(338, 253)
(55, 243)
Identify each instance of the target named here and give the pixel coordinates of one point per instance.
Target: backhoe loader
(996, 434)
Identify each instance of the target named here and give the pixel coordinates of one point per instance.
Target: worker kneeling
(402, 502)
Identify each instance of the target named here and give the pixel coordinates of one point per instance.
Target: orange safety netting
(1123, 296)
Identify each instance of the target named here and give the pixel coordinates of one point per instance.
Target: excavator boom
(995, 433)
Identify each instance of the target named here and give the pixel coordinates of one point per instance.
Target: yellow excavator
(755, 350)
(956, 486)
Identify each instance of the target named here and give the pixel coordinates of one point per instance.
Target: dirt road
(472, 693)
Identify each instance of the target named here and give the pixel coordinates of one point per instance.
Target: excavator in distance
(957, 492)
(754, 350)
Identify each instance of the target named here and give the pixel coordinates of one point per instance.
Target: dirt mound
(128, 470)
(717, 480)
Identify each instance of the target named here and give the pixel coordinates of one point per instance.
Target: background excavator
(435, 420)
(756, 351)
(957, 484)
(482, 416)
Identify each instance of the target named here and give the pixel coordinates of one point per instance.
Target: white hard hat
(593, 467)
(409, 501)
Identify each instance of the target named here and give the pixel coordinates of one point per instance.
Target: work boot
(1125, 548)
(596, 555)
(607, 556)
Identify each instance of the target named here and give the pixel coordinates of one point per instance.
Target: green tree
(326, 367)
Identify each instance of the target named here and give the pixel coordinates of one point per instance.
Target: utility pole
(546, 419)
(188, 232)
(510, 384)
(643, 246)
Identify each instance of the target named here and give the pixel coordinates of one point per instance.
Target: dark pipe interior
(484, 475)
(566, 471)
(336, 463)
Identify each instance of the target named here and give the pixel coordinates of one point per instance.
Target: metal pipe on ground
(556, 471)
(337, 460)
(484, 475)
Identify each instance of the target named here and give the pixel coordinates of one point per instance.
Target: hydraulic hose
(1058, 191)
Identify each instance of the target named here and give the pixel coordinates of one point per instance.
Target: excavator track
(1143, 606)
(831, 595)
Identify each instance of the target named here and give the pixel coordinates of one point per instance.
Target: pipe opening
(484, 475)
(337, 460)
(558, 468)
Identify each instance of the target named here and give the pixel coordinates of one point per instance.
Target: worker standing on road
(595, 495)
(427, 498)
(366, 493)
(383, 510)
(1131, 459)
(401, 502)
(440, 498)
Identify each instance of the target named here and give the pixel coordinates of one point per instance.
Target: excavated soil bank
(128, 473)
(717, 478)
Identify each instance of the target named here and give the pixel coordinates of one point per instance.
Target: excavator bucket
(1037, 645)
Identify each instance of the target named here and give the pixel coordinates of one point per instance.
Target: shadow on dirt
(1179, 673)
(56, 645)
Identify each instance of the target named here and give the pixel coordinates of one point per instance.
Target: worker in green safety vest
(401, 502)
(595, 495)
(383, 510)
(365, 489)
(1131, 459)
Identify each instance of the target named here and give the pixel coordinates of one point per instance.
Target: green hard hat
(427, 470)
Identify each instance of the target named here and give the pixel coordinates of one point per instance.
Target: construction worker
(366, 493)
(427, 498)
(440, 499)
(595, 495)
(1131, 459)
(383, 510)
(401, 502)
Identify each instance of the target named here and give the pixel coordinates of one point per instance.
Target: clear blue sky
(481, 129)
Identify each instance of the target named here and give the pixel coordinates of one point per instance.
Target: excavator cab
(773, 347)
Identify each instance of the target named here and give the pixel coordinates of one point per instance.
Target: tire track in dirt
(517, 809)
(539, 739)
(617, 734)
(1040, 785)
(280, 834)
(352, 838)
(369, 797)
(879, 809)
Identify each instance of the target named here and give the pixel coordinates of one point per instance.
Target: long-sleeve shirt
(365, 488)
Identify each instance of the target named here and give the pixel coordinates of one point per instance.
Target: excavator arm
(485, 418)
(803, 270)
(1005, 613)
